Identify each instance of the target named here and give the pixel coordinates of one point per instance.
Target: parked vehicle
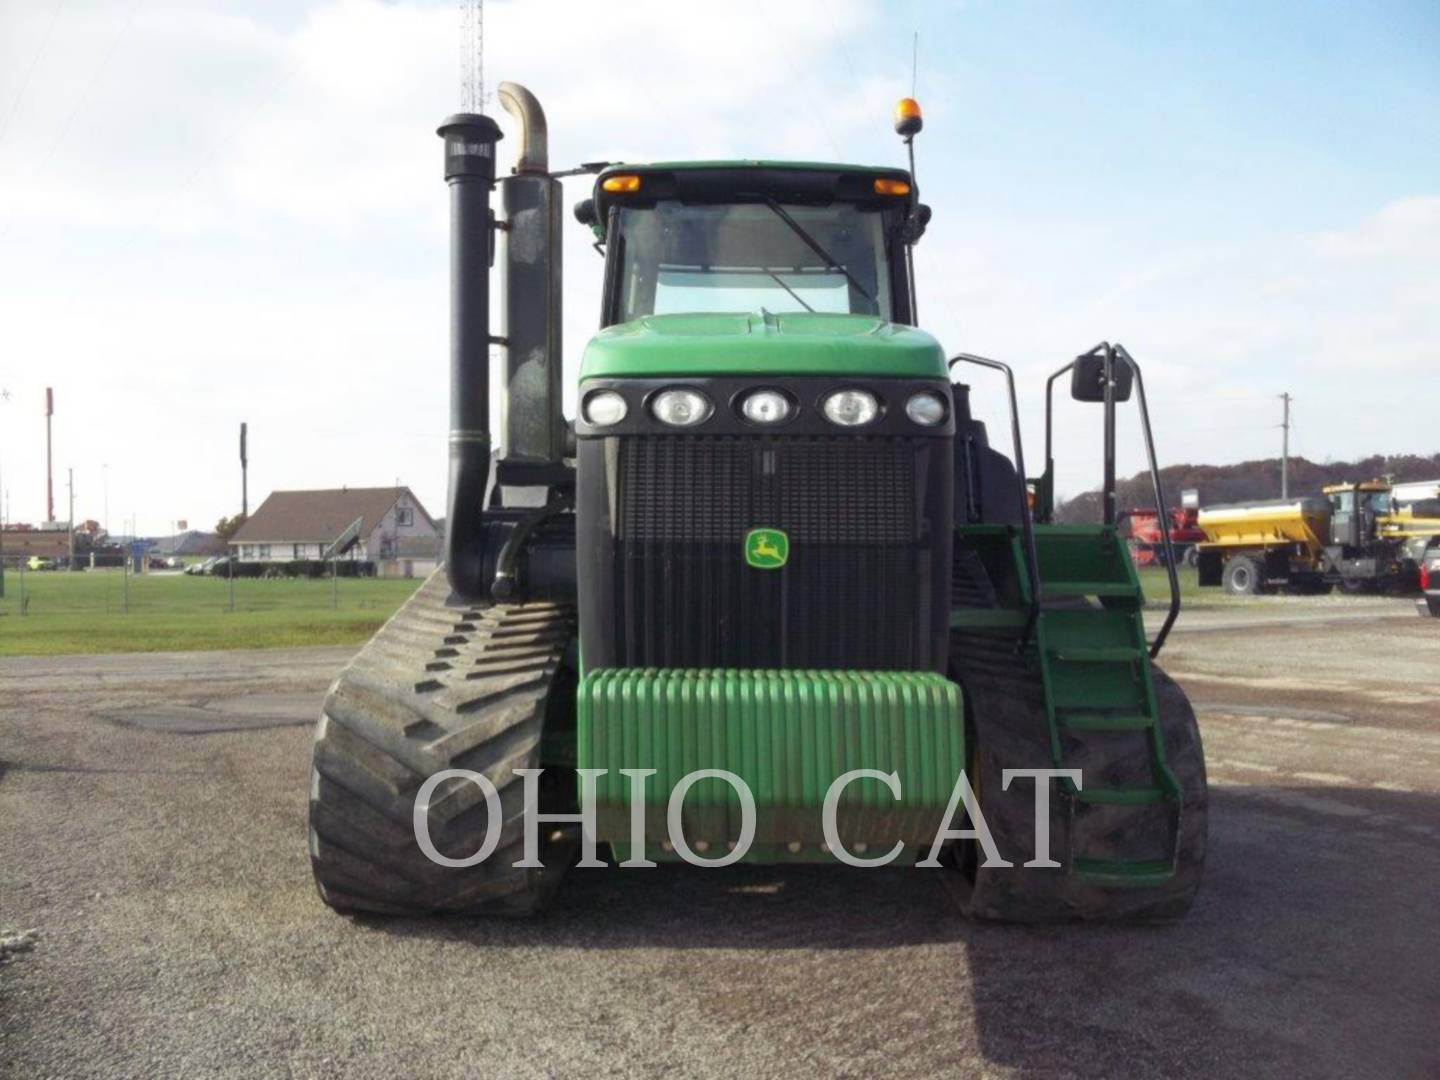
(1141, 529)
(1364, 537)
(782, 545)
(1429, 601)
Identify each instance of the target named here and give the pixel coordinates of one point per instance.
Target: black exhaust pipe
(470, 141)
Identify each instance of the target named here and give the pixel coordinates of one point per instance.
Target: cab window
(748, 258)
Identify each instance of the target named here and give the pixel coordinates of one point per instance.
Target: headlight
(926, 407)
(765, 407)
(680, 408)
(604, 407)
(851, 408)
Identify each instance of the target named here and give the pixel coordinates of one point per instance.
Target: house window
(404, 515)
(264, 552)
(299, 551)
(245, 551)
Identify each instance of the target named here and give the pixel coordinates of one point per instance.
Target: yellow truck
(1364, 537)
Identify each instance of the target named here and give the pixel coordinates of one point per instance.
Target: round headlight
(926, 407)
(604, 407)
(681, 408)
(851, 408)
(765, 407)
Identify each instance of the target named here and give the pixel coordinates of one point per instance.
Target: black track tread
(1006, 722)
(426, 694)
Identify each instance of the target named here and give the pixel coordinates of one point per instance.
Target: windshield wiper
(791, 291)
(814, 245)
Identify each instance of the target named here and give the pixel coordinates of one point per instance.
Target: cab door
(1344, 519)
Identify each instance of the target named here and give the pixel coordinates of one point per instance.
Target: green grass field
(104, 611)
(1155, 583)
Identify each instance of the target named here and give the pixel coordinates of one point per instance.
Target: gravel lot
(152, 833)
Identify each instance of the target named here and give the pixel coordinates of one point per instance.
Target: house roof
(318, 516)
(193, 542)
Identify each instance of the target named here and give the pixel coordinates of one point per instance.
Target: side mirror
(585, 212)
(1087, 378)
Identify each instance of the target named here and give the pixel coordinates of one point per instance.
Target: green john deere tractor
(769, 597)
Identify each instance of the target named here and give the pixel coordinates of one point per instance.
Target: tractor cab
(756, 238)
(1355, 509)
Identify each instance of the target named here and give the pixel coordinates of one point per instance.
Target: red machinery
(1141, 527)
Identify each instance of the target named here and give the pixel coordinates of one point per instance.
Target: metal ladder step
(1084, 720)
(1120, 872)
(1091, 588)
(1103, 654)
(987, 618)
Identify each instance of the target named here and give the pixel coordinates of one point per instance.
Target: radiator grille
(855, 592)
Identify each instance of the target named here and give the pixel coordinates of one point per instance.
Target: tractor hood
(801, 343)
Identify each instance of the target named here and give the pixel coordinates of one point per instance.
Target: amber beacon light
(908, 120)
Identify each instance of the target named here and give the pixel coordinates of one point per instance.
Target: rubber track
(1007, 720)
(438, 687)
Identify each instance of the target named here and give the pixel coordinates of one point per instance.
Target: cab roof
(812, 182)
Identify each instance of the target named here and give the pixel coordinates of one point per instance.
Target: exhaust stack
(470, 140)
(532, 425)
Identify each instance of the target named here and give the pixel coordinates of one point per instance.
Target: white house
(396, 533)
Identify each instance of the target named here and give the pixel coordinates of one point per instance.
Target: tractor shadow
(1312, 946)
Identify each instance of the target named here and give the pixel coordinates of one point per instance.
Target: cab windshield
(751, 257)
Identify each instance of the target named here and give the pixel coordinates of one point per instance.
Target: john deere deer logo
(767, 549)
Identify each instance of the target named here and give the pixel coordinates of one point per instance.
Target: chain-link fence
(37, 593)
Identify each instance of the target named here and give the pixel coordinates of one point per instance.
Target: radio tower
(472, 56)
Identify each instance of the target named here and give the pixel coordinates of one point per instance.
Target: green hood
(801, 343)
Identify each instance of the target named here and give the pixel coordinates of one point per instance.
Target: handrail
(1174, 613)
(1111, 353)
(1027, 524)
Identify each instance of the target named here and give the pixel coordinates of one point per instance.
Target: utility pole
(49, 473)
(70, 516)
(1285, 449)
(244, 473)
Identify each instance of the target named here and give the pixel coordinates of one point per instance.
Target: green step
(1081, 720)
(1089, 588)
(1119, 872)
(1121, 796)
(1103, 654)
(987, 618)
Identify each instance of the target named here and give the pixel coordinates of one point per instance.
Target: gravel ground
(152, 834)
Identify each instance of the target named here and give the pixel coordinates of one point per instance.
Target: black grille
(857, 591)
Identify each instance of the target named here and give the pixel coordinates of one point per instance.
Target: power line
(90, 86)
(34, 61)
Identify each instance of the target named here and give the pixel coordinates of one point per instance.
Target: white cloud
(245, 219)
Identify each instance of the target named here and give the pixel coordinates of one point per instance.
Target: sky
(222, 212)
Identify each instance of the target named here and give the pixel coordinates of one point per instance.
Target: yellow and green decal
(767, 549)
